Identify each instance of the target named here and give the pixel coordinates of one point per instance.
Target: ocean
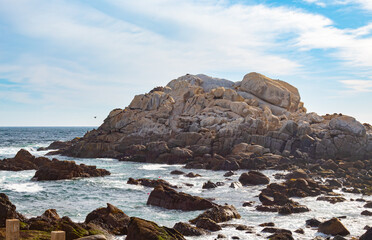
(76, 198)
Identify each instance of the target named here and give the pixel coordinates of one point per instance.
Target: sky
(69, 63)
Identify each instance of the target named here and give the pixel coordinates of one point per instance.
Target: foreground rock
(140, 229)
(166, 197)
(333, 227)
(367, 235)
(111, 218)
(58, 170)
(7, 210)
(50, 221)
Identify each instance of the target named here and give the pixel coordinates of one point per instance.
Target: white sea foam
(24, 187)
(154, 167)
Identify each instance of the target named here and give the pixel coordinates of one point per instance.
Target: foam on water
(23, 187)
(154, 167)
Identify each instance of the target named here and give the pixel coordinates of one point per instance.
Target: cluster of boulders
(47, 169)
(101, 224)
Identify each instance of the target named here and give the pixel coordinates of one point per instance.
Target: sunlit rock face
(197, 116)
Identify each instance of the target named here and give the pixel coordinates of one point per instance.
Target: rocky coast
(244, 129)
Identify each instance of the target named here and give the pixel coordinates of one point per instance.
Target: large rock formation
(202, 120)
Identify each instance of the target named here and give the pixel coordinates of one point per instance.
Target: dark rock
(188, 230)
(332, 200)
(241, 227)
(140, 229)
(219, 214)
(368, 205)
(209, 185)
(248, 204)
(300, 231)
(7, 210)
(221, 236)
(58, 170)
(366, 213)
(150, 182)
(253, 178)
(268, 224)
(229, 174)
(281, 236)
(192, 175)
(338, 238)
(290, 208)
(177, 172)
(208, 224)
(333, 227)
(262, 208)
(312, 222)
(111, 218)
(299, 173)
(367, 235)
(163, 196)
(23, 160)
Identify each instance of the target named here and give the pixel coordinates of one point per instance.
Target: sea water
(76, 198)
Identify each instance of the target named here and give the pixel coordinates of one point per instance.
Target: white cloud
(316, 2)
(358, 86)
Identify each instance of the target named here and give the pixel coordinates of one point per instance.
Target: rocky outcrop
(7, 210)
(23, 160)
(163, 196)
(49, 169)
(333, 227)
(140, 229)
(111, 219)
(218, 124)
(58, 170)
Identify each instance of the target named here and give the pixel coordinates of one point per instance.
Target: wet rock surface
(169, 198)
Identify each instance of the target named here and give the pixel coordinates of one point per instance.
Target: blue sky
(64, 62)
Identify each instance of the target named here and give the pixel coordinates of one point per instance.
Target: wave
(23, 187)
